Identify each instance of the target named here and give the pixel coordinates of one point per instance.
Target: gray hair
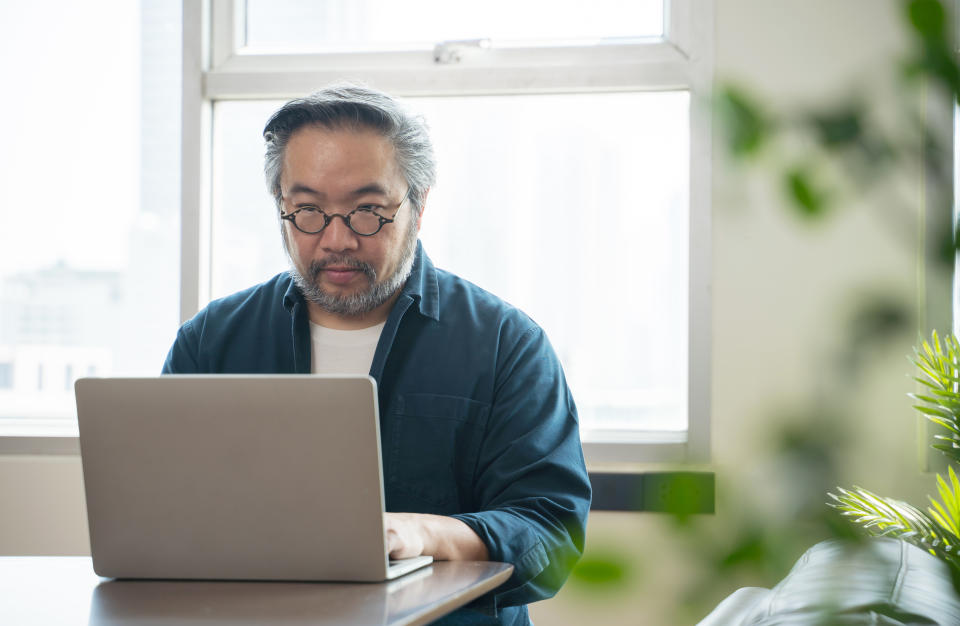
(353, 106)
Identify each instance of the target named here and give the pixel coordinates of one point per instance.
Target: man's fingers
(403, 540)
(394, 544)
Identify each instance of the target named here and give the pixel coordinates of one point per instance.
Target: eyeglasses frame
(327, 218)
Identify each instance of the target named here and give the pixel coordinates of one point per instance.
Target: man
(481, 451)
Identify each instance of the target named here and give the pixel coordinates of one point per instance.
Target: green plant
(938, 529)
(939, 364)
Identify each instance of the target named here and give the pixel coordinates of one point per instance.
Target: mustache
(318, 266)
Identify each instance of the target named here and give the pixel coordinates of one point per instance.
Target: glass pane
(89, 179)
(579, 219)
(245, 243)
(352, 25)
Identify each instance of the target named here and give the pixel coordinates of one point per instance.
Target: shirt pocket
(434, 450)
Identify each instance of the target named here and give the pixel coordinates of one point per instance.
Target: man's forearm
(444, 538)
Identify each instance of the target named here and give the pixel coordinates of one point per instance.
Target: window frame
(34, 431)
(217, 66)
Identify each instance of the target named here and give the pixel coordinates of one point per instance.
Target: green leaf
(935, 363)
(932, 411)
(933, 372)
(838, 128)
(937, 360)
(931, 355)
(946, 513)
(946, 400)
(951, 449)
(927, 17)
(946, 396)
(948, 245)
(809, 201)
(927, 383)
(886, 517)
(946, 404)
(741, 120)
(599, 571)
(949, 424)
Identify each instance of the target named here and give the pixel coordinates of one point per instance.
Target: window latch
(450, 52)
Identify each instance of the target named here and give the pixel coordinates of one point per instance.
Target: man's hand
(443, 538)
(404, 535)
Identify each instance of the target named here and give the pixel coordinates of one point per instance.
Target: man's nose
(337, 236)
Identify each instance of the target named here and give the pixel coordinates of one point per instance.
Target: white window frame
(218, 67)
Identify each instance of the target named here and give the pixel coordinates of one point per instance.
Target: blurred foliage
(826, 159)
(934, 56)
(745, 125)
(686, 494)
(605, 570)
(809, 200)
(830, 156)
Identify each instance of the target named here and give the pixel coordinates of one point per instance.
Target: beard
(361, 302)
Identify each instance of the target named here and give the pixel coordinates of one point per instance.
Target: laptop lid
(265, 477)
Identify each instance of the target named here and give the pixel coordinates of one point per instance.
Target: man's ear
(423, 207)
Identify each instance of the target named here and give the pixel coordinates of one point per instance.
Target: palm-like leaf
(886, 517)
(938, 532)
(939, 362)
(946, 513)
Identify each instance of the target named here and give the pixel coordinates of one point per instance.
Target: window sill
(595, 453)
(636, 491)
(630, 446)
(600, 448)
(39, 445)
(39, 436)
(679, 493)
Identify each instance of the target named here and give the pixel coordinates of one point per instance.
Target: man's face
(339, 170)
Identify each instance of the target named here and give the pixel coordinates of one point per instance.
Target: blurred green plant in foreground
(841, 153)
(827, 159)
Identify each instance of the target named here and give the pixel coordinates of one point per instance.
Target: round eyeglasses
(364, 220)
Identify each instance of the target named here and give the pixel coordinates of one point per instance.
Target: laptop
(235, 477)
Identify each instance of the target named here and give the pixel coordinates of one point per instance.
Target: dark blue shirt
(476, 419)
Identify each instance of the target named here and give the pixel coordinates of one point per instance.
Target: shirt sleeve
(182, 357)
(531, 481)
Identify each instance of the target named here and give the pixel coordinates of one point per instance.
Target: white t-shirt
(343, 351)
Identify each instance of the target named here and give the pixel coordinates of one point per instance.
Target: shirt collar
(292, 297)
(422, 287)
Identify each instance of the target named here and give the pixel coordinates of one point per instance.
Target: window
(586, 126)
(376, 25)
(89, 179)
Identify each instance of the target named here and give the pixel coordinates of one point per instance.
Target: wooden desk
(64, 590)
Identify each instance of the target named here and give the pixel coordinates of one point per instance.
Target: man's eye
(370, 208)
(309, 208)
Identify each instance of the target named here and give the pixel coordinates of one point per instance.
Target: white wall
(779, 289)
(43, 510)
